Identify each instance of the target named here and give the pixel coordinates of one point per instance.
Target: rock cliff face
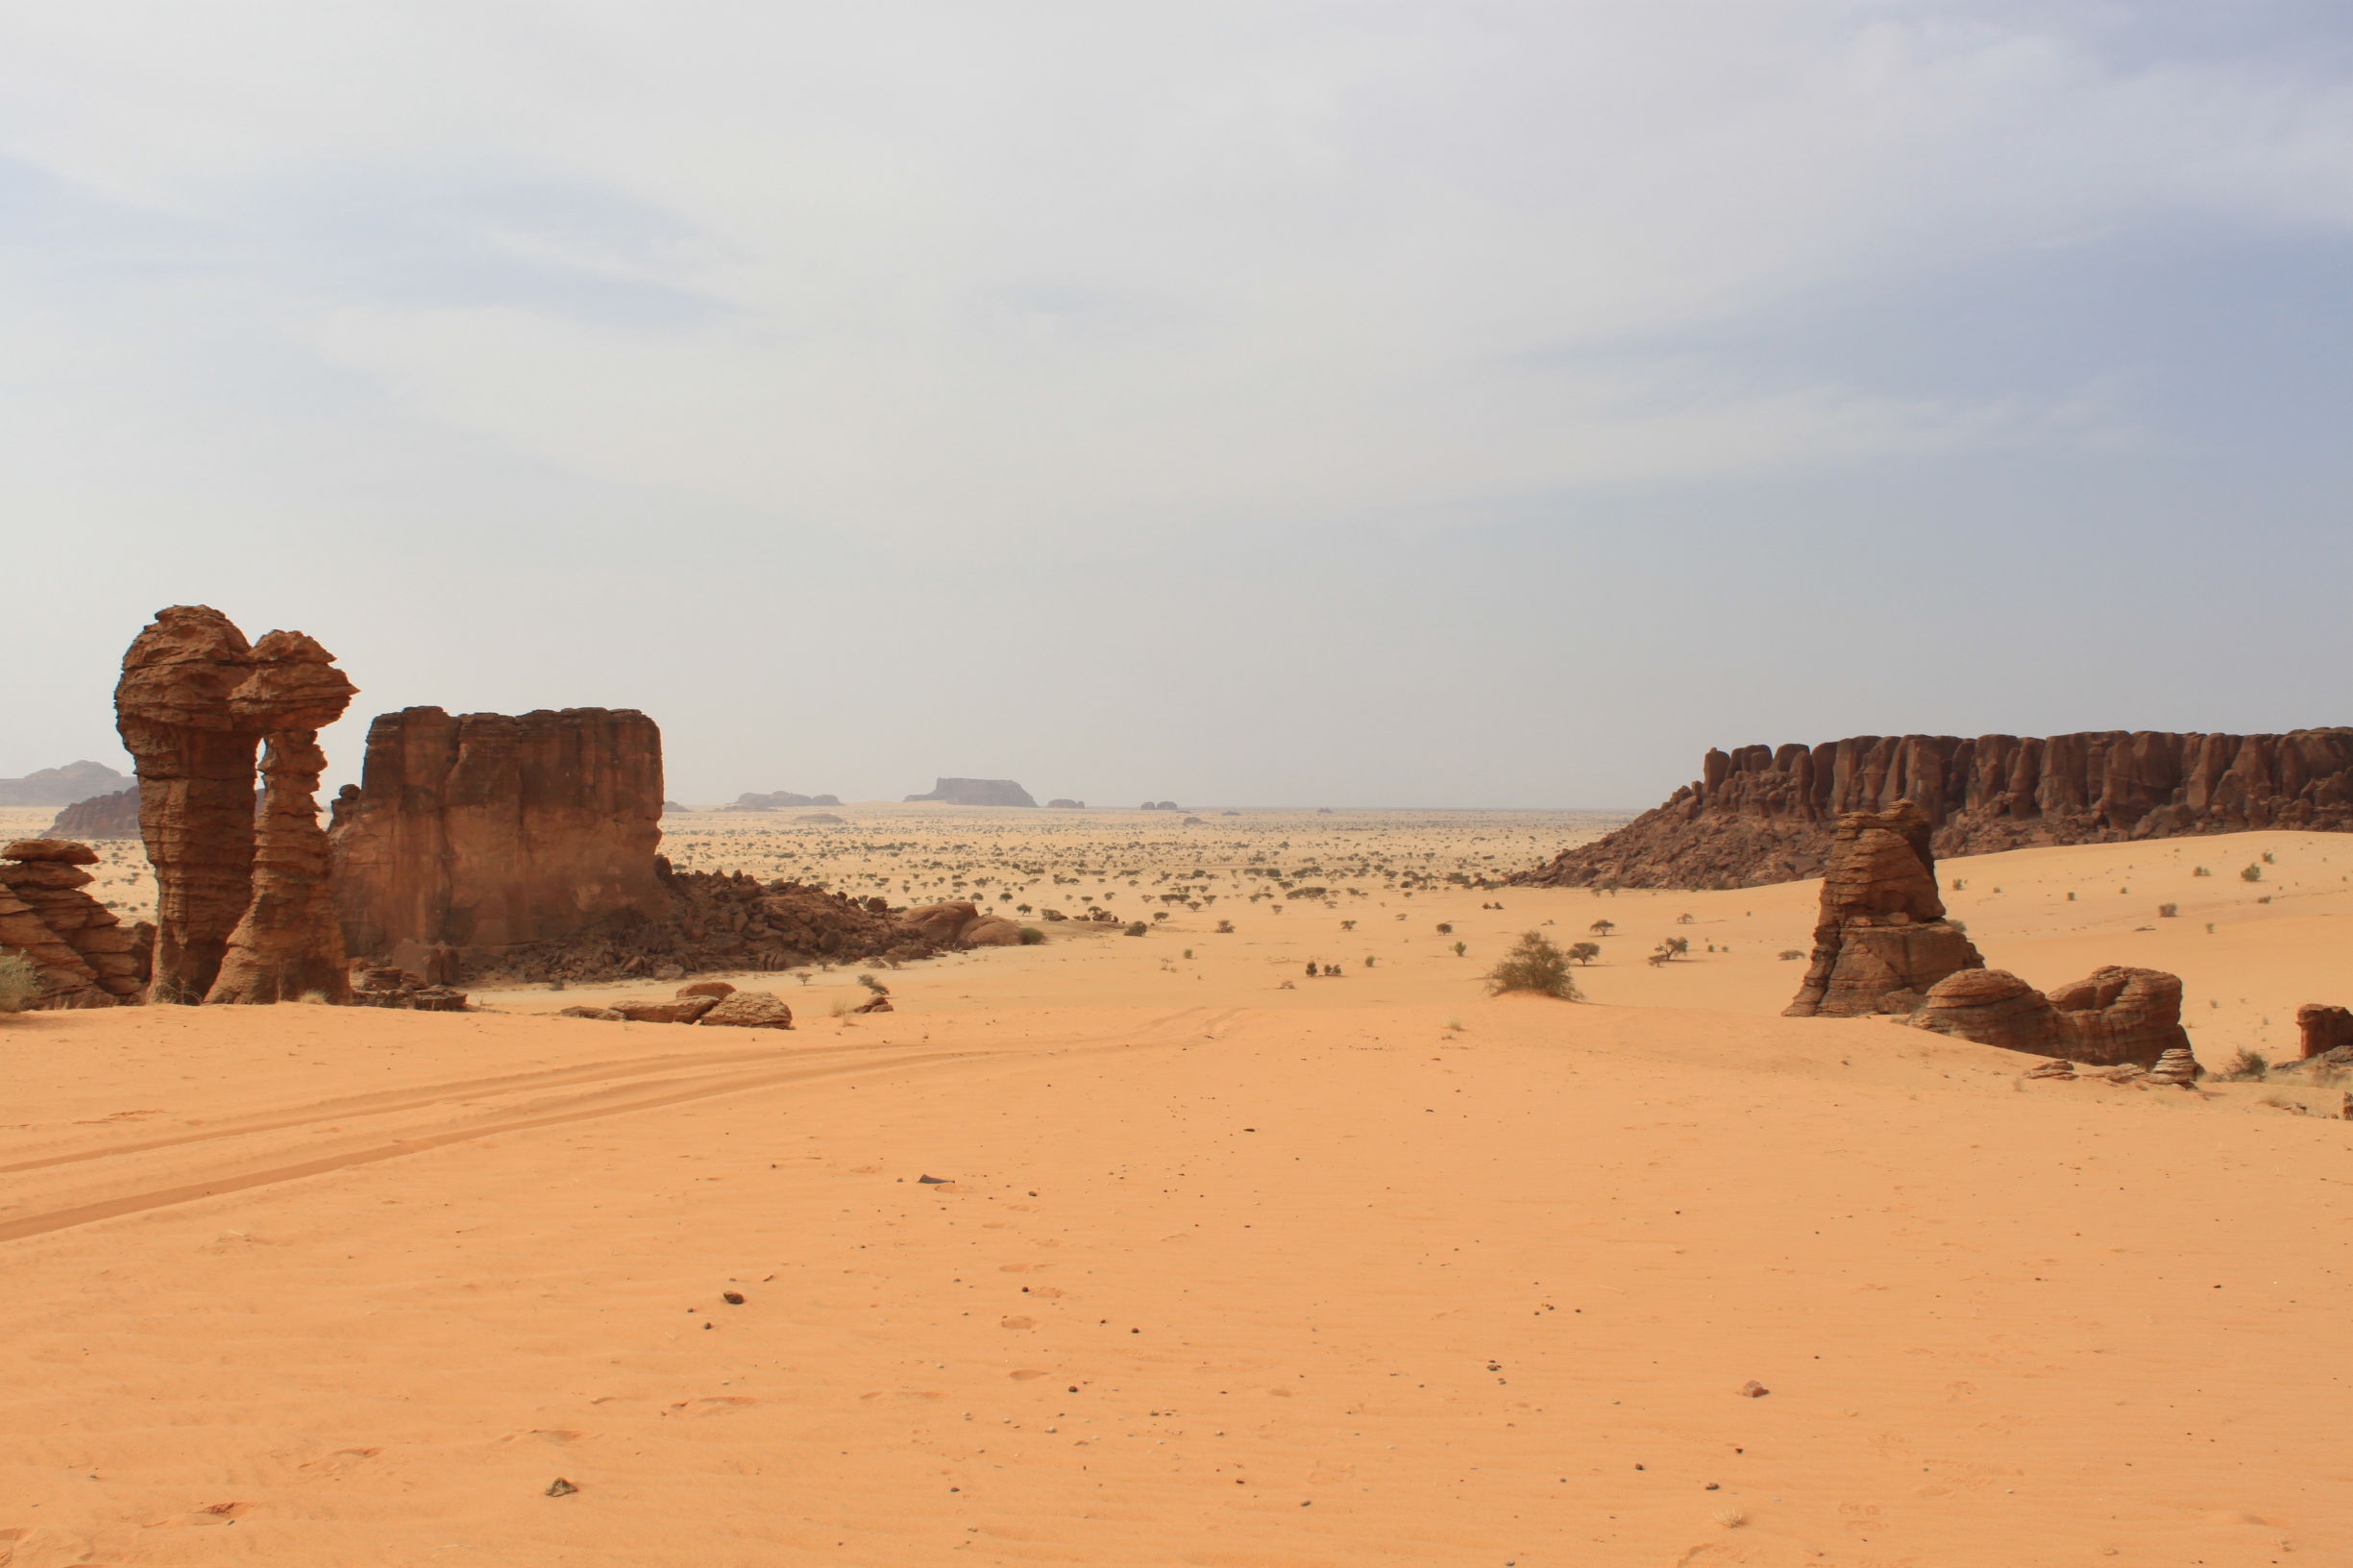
(478, 833)
(1881, 940)
(113, 816)
(1765, 814)
(977, 792)
(194, 703)
(61, 785)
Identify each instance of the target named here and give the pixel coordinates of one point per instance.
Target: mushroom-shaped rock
(1992, 1007)
(750, 1009)
(51, 851)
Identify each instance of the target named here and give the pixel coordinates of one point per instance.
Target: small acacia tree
(1585, 952)
(1535, 965)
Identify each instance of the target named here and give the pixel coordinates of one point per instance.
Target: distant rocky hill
(778, 799)
(113, 816)
(1765, 814)
(61, 786)
(977, 792)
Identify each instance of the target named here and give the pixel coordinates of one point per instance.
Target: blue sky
(1366, 402)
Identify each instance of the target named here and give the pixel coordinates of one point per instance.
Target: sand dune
(1368, 1270)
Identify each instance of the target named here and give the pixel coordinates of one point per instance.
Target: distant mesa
(61, 786)
(1159, 805)
(669, 806)
(113, 816)
(779, 800)
(977, 792)
(825, 817)
(1066, 804)
(1765, 814)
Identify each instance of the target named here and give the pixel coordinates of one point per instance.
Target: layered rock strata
(84, 956)
(194, 703)
(289, 946)
(1881, 939)
(2114, 1017)
(1766, 814)
(2321, 1028)
(113, 816)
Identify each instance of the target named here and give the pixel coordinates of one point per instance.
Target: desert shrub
(1461, 947)
(1585, 952)
(19, 982)
(1225, 928)
(2246, 1068)
(1788, 953)
(874, 985)
(2250, 873)
(2268, 858)
(1136, 928)
(1535, 965)
(1445, 930)
(1031, 936)
(2199, 870)
(2168, 912)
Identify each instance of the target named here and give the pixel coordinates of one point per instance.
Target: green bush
(2252, 873)
(2246, 1068)
(1031, 936)
(19, 982)
(1534, 964)
(1136, 928)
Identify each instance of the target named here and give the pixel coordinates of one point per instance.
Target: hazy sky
(1351, 402)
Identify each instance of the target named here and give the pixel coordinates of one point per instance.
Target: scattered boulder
(988, 931)
(1993, 1007)
(977, 792)
(2118, 1014)
(384, 985)
(749, 1010)
(875, 1004)
(713, 988)
(2321, 1028)
(603, 1014)
(2054, 1069)
(1881, 940)
(683, 1010)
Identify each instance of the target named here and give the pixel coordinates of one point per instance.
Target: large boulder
(1880, 939)
(749, 1010)
(942, 925)
(86, 958)
(1993, 1007)
(2118, 1015)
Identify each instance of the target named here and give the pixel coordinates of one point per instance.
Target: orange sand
(1369, 1270)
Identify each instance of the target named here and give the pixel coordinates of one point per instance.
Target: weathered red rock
(46, 911)
(713, 988)
(679, 1010)
(1992, 1007)
(1765, 814)
(1881, 939)
(749, 1010)
(2118, 1015)
(2320, 1027)
(290, 943)
(194, 702)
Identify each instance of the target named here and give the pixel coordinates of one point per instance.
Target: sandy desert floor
(1222, 1266)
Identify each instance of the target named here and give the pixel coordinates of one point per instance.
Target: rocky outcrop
(1992, 1007)
(486, 833)
(1881, 939)
(2321, 1028)
(1766, 814)
(194, 703)
(113, 816)
(1159, 805)
(61, 785)
(84, 956)
(2118, 1015)
(749, 1010)
(2112, 1018)
(977, 792)
(289, 946)
(1061, 804)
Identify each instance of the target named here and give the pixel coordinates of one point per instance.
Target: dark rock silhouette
(1764, 814)
(61, 786)
(1881, 940)
(113, 816)
(977, 792)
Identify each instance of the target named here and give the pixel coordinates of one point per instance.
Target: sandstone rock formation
(84, 956)
(2320, 1027)
(749, 1010)
(1881, 940)
(1764, 814)
(113, 816)
(289, 946)
(2176, 1065)
(2118, 1015)
(487, 832)
(2114, 1017)
(194, 702)
(61, 785)
(977, 792)
(1992, 1007)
